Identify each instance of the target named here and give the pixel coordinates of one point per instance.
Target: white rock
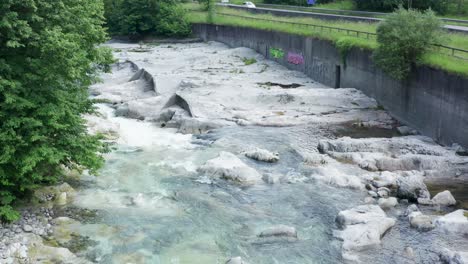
(410, 209)
(27, 228)
(262, 155)
(230, 167)
(420, 221)
(455, 222)
(331, 175)
(363, 228)
(387, 203)
(444, 198)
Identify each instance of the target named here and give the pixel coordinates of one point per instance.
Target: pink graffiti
(295, 58)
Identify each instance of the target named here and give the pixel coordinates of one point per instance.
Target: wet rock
(405, 131)
(420, 221)
(387, 203)
(373, 194)
(200, 125)
(122, 110)
(409, 252)
(60, 194)
(411, 186)
(383, 192)
(228, 166)
(62, 199)
(279, 231)
(363, 227)
(444, 198)
(455, 222)
(262, 155)
(452, 257)
(385, 179)
(369, 200)
(410, 209)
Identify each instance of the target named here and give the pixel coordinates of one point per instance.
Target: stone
(262, 155)
(230, 167)
(61, 199)
(411, 186)
(279, 231)
(409, 252)
(405, 131)
(455, 222)
(383, 192)
(387, 203)
(373, 194)
(420, 221)
(410, 209)
(444, 198)
(27, 228)
(362, 228)
(369, 200)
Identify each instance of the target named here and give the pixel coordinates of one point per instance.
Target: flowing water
(158, 209)
(153, 206)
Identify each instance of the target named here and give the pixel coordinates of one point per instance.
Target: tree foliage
(137, 18)
(295, 2)
(403, 37)
(439, 6)
(48, 58)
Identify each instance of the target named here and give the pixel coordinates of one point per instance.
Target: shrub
(403, 38)
(48, 58)
(138, 18)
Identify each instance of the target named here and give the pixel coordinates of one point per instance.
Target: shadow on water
(356, 131)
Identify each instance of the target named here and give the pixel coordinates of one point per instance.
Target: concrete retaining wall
(433, 101)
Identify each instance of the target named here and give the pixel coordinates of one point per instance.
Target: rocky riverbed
(215, 160)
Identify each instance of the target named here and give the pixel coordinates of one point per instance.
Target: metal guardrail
(348, 12)
(454, 52)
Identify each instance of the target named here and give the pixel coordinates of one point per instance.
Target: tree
(137, 18)
(48, 58)
(403, 37)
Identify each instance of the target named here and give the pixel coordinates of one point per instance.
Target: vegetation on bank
(49, 55)
(438, 58)
(140, 18)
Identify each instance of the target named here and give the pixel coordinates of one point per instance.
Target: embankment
(433, 101)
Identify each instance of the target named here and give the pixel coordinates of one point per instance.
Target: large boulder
(444, 198)
(420, 221)
(228, 166)
(411, 186)
(387, 203)
(455, 222)
(362, 228)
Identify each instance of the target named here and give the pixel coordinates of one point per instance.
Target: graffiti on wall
(276, 53)
(295, 58)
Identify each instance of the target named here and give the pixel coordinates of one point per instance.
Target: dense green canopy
(48, 58)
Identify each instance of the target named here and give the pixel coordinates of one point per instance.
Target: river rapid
(214, 158)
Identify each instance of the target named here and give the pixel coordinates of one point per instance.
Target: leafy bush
(48, 58)
(137, 18)
(389, 5)
(403, 38)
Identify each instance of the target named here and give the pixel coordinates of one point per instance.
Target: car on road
(249, 5)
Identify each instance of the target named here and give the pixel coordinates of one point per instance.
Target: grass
(438, 58)
(249, 61)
